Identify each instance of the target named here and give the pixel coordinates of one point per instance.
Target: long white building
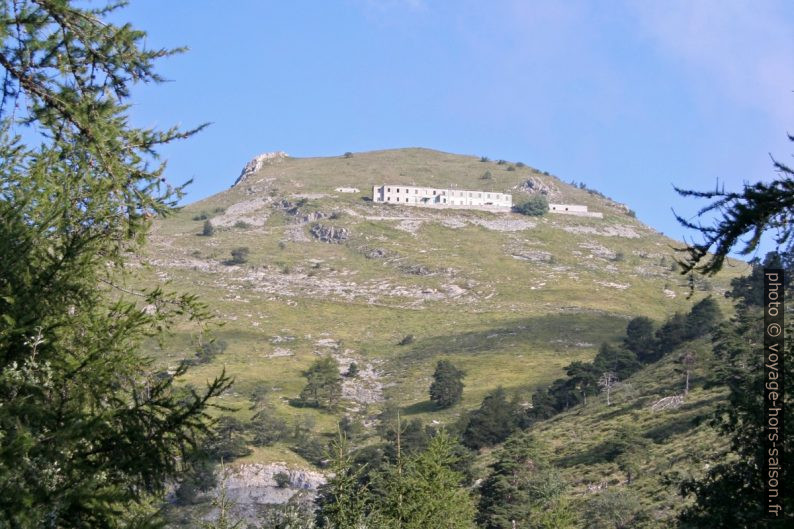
(441, 198)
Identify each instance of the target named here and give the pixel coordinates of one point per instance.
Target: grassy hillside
(510, 299)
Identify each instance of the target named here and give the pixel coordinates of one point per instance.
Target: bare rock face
(536, 186)
(329, 234)
(257, 163)
(253, 485)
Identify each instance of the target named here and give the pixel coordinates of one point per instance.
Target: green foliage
(536, 206)
(511, 168)
(486, 176)
(758, 208)
(520, 486)
(228, 442)
(342, 499)
(208, 230)
(352, 370)
(282, 479)
(202, 216)
(446, 389)
(91, 431)
(618, 360)
(618, 508)
(239, 255)
(348, 154)
(408, 339)
(732, 493)
(423, 490)
(241, 224)
(484, 159)
(640, 338)
(492, 422)
(323, 383)
(266, 429)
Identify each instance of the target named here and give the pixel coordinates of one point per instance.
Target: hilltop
(510, 299)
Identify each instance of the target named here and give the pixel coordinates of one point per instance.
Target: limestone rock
(330, 234)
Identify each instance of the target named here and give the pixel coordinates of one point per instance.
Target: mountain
(508, 298)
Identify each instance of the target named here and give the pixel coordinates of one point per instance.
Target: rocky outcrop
(534, 185)
(250, 486)
(257, 163)
(329, 234)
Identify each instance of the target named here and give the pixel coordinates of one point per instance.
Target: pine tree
(447, 387)
(758, 208)
(90, 431)
(423, 490)
(639, 338)
(323, 383)
(520, 487)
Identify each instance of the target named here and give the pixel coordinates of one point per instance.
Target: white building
(441, 198)
(574, 209)
(347, 190)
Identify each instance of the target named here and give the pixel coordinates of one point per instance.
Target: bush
(407, 340)
(208, 351)
(242, 224)
(536, 206)
(348, 154)
(486, 176)
(336, 215)
(484, 159)
(202, 216)
(501, 162)
(266, 429)
(352, 370)
(521, 164)
(511, 168)
(240, 255)
(208, 229)
(282, 480)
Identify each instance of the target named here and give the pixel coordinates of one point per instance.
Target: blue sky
(629, 97)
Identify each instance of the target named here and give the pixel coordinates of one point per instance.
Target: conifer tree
(90, 431)
(447, 387)
(520, 488)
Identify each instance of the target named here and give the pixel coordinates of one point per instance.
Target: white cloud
(745, 50)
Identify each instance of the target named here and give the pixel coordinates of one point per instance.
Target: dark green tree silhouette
(758, 208)
(447, 387)
(323, 383)
(521, 485)
(91, 431)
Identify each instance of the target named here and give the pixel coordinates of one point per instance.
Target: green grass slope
(510, 299)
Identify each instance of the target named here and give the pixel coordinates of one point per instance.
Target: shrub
(484, 159)
(202, 216)
(282, 480)
(511, 168)
(631, 213)
(352, 370)
(240, 255)
(348, 154)
(210, 350)
(208, 230)
(407, 340)
(501, 162)
(486, 175)
(242, 224)
(336, 215)
(218, 211)
(521, 164)
(536, 206)
(619, 256)
(266, 429)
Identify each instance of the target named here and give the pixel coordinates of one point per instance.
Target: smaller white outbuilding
(347, 190)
